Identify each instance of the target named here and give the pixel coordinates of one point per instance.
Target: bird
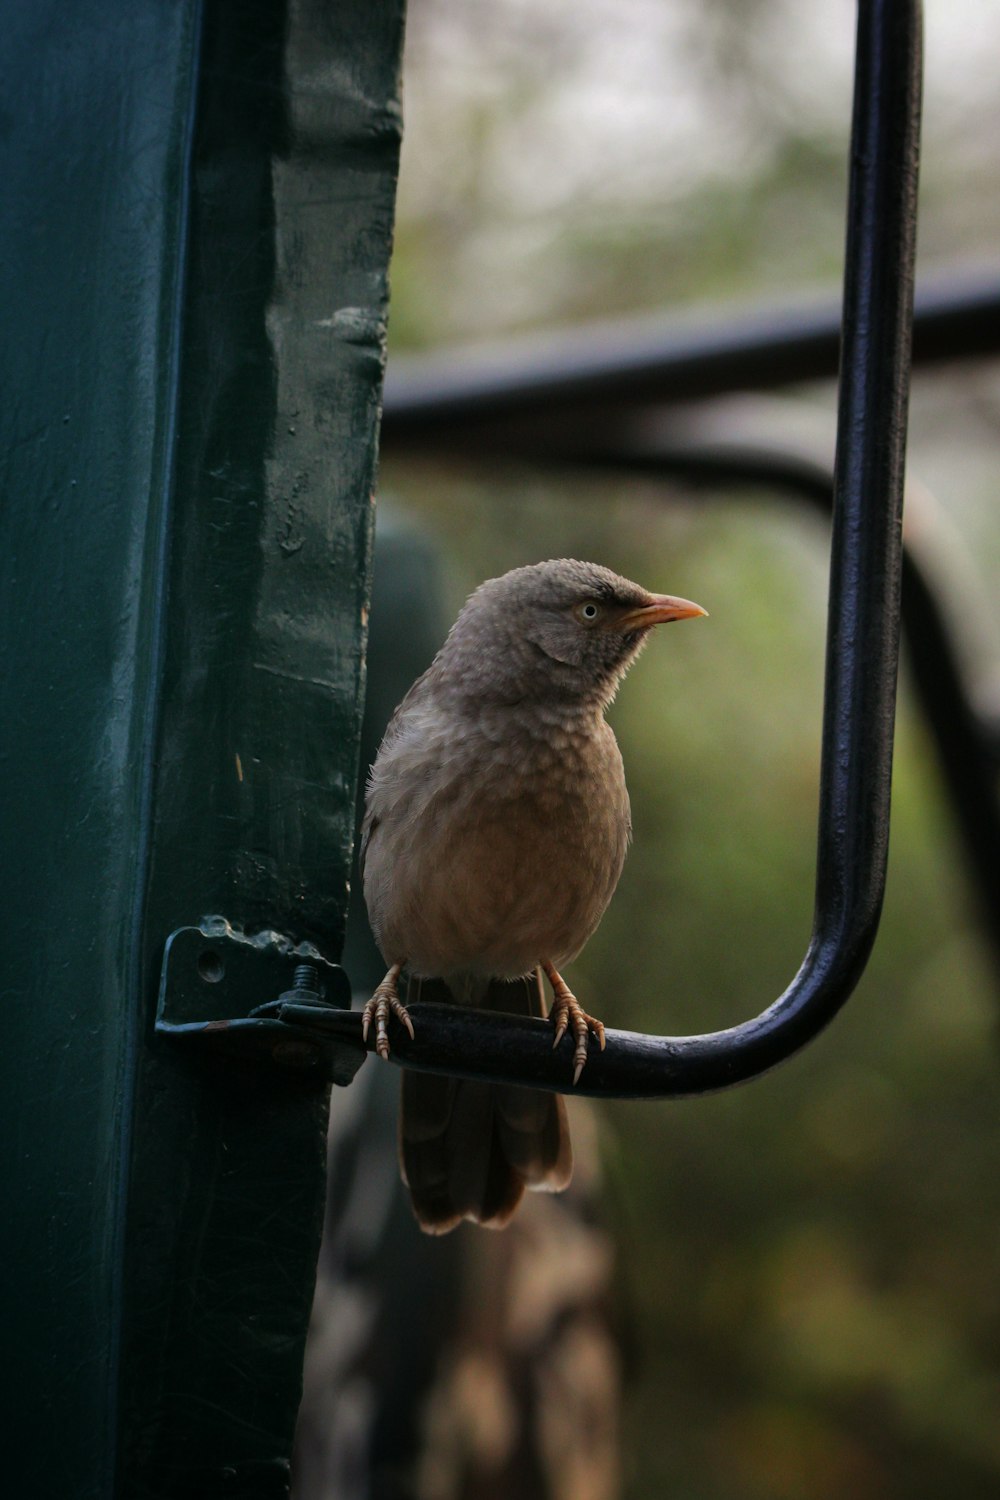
(495, 829)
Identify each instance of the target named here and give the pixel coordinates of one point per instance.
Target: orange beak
(660, 609)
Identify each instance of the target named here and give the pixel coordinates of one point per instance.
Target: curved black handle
(862, 646)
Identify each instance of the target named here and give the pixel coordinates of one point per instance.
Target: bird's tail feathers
(468, 1149)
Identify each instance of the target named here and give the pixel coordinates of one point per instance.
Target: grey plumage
(496, 825)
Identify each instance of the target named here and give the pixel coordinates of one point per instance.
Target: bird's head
(562, 628)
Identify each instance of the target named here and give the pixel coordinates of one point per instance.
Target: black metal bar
(446, 399)
(862, 644)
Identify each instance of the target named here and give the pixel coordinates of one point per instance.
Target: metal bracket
(227, 994)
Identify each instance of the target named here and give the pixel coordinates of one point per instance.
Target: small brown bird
(495, 831)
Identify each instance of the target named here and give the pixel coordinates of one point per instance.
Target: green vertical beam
(199, 205)
(95, 125)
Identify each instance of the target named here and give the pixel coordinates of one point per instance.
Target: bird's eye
(587, 613)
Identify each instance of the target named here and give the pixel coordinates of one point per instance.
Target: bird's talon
(566, 1011)
(385, 1001)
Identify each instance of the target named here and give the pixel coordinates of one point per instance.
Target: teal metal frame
(199, 203)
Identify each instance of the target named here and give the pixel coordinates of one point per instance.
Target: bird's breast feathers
(489, 848)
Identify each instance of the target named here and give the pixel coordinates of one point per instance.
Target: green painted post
(198, 206)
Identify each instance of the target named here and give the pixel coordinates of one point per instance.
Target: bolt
(305, 987)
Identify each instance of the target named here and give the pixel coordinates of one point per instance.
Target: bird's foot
(567, 1014)
(384, 1002)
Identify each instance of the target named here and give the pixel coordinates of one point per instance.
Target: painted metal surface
(293, 172)
(200, 202)
(97, 104)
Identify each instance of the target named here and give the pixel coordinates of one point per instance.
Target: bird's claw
(566, 1013)
(384, 1002)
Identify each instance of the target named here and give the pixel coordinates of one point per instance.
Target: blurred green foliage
(808, 1265)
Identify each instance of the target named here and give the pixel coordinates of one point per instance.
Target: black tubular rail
(861, 660)
(450, 401)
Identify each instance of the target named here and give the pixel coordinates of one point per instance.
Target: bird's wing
(393, 730)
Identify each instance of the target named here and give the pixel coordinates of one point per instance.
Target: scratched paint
(292, 200)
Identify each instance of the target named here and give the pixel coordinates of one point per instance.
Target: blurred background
(799, 1278)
